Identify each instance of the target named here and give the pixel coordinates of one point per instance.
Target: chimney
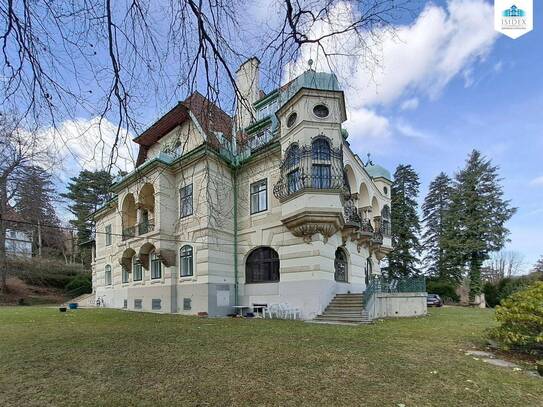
(247, 81)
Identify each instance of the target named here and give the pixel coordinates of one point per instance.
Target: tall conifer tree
(435, 209)
(402, 262)
(476, 225)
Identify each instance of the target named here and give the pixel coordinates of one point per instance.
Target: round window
(291, 119)
(385, 190)
(321, 111)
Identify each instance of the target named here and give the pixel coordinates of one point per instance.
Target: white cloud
(87, 144)
(537, 182)
(410, 104)
(420, 58)
(409, 131)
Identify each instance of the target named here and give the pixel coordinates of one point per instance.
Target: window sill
(186, 279)
(157, 281)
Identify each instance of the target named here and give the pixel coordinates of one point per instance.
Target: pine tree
(402, 261)
(35, 197)
(87, 192)
(435, 210)
(476, 225)
(538, 266)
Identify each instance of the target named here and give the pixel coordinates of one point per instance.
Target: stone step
(344, 319)
(342, 301)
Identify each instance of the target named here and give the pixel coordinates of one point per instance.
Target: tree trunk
(474, 276)
(39, 238)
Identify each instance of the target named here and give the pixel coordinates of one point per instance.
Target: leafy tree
(435, 209)
(87, 192)
(405, 223)
(538, 266)
(35, 197)
(476, 225)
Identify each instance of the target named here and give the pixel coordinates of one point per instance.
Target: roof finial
(310, 63)
(369, 160)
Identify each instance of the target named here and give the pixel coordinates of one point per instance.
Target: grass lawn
(111, 357)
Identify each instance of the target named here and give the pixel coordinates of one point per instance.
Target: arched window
(369, 270)
(262, 266)
(156, 266)
(137, 272)
(340, 265)
(293, 156)
(321, 149)
(186, 261)
(107, 276)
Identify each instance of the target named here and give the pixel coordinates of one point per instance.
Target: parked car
(434, 300)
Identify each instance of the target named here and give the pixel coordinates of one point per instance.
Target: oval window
(321, 111)
(385, 190)
(291, 119)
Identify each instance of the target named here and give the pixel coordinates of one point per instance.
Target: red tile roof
(210, 117)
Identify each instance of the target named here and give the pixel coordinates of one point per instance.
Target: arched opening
(369, 270)
(126, 259)
(385, 221)
(364, 202)
(262, 266)
(350, 179)
(320, 148)
(340, 265)
(129, 216)
(146, 206)
(145, 250)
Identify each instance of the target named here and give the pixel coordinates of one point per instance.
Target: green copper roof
(312, 80)
(376, 171)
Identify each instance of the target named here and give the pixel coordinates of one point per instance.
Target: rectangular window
(137, 304)
(156, 303)
(185, 201)
(186, 304)
(108, 235)
(321, 176)
(107, 278)
(185, 261)
(137, 270)
(259, 196)
(293, 181)
(125, 275)
(156, 267)
(125, 304)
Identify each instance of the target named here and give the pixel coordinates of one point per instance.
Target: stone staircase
(345, 308)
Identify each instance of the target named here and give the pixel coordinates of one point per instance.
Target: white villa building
(282, 212)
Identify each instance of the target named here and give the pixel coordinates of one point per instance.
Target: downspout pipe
(236, 274)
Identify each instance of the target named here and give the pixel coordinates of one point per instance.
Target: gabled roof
(210, 117)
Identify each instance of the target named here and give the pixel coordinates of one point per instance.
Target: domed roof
(309, 79)
(376, 171)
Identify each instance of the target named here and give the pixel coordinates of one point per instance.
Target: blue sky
(494, 104)
(447, 84)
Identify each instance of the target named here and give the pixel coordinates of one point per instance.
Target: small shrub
(80, 284)
(496, 292)
(492, 296)
(521, 321)
(444, 289)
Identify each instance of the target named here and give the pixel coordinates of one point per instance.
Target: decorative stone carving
(307, 224)
(167, 256)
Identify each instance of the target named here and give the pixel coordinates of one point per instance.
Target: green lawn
(109, 357)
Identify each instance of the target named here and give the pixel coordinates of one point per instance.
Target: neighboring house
(18, 242)
(285, 212)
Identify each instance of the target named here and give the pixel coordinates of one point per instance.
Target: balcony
(145, 227)
(129, 232)
(310, 189)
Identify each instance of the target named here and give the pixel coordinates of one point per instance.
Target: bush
(44, 272)
(496, 292)
(446, 290)
(80, 284)
(521, 321)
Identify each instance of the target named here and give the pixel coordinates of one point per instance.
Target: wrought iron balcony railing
(145, 227)
(129, 232)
